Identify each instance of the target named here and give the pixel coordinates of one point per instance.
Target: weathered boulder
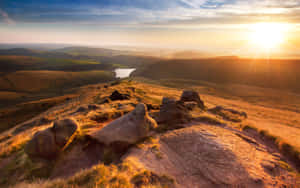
(116, 95)
(42, 145)
(48, 143)
(189, 96)
(172, 111)
(129, 128)
(63, 130)
(190, 105)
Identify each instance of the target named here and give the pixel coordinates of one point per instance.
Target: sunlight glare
(267, 35)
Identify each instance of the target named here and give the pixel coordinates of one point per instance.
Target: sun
(267, 36)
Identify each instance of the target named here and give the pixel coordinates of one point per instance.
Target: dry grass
(102, 176)
(13, 145)
(9, 117)
(282, 145)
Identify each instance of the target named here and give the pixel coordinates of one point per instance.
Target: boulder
(189, 96)
(172, 111)
(42, 145)
(116, 95)
(63, 130)
(129, 128)
(48, 143)
(190, 105)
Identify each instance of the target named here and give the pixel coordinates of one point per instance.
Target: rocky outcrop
(192, 96)
(129, 128)
(172, 111)
(204, 156)
(48, 143)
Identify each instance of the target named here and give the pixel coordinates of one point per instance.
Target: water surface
(123, 72)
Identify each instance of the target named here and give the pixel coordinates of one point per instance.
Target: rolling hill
(278, 74)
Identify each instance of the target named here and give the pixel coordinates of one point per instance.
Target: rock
(172, 111)
(48, 143)
(152, 106)
(93, 107)
(190, 105)
(189, 96)
(42, 145)
(116, 95)
(63, 130)
(86, 108)
(129, 128)
(81, 109)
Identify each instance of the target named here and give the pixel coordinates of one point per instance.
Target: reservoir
(123, 72)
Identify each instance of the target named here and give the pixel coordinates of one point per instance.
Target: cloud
(150, 12)
(6, 18)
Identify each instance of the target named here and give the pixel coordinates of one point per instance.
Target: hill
(29, 85)
(133, 134)
(88, 51)
(278, 74)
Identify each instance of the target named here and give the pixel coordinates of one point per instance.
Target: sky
(222, 27)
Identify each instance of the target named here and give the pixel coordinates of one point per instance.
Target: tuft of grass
(146, 178)
(209, 120)
(105, 115)
(248, 127)
(20, 167)
(286, 166)
(13, 146)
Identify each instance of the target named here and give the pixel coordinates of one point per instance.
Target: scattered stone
(172, 111)
(48, 143)
(129, 128)
(116, 95)
(189, 96)
(86, 108)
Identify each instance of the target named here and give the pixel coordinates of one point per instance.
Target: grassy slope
(38, 81)
(155, 93)
(279, 74)
(91, 51)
